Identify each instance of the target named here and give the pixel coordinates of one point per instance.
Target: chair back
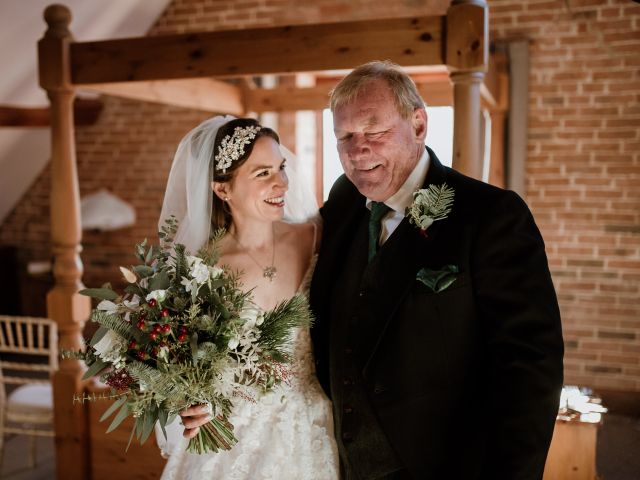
(28, 349)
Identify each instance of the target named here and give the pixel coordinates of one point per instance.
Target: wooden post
(64, 305)
(467, 58)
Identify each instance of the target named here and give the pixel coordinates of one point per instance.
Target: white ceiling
(25, 152)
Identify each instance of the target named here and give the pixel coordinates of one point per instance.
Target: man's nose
(358, 146)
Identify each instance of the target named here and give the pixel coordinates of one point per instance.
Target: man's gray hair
(402, 87)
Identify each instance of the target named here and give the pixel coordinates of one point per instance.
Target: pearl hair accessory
(232, 146)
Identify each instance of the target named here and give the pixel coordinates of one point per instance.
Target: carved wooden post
(467, 58)
(69, 309)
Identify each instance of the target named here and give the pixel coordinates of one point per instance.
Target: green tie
(378, 210)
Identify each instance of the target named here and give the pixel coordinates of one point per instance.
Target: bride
(233, 173)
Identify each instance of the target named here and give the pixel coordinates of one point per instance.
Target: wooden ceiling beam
(302, 48)
(86, 112)
(196, 93)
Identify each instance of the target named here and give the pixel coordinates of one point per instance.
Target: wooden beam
(86, 112)
(303, 48)
(197, 93)
(289, 98)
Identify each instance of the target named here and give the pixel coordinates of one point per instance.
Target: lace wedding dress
(287, 434)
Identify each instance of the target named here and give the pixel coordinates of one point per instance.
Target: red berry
(166, 328)
(153, 302)
(133, 344)
(154, 336)
(140, 325)
(142, 354)
(182, 337)
(164, 312)
(182, 329)
(156, 328)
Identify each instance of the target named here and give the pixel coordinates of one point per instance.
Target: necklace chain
(269, 272)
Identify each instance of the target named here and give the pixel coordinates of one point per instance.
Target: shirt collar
(403, 198)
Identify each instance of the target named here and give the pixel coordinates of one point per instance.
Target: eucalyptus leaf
(114, 406)
(149, 256)
(163, 416)
(160, 281)
(99, 293)
(143, 271)
(150, 419)
(122, 414)
(95, 368)
(101, 332)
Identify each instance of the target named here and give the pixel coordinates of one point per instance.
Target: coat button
(347, 437)
(346, 382)
(361, 293)
(348, 351)
(348, 410)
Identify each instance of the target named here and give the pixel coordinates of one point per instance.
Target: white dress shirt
(403, 198)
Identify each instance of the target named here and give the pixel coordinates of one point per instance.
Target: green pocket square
(438, 280)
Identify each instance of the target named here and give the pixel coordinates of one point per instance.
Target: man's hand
(193, 418)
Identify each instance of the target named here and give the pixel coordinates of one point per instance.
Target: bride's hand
(193, 418)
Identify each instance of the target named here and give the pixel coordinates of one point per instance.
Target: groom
(440, 347)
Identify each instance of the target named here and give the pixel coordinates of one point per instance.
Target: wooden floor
(617, 453)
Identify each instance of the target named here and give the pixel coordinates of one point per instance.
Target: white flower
(134, 302)
(251, 315)
(110, 348)
(200, 273)
(191, 260)
(158, 295)
(233, 343)
(107, 306)
(189, 285)
(163, 353)
(215, 272)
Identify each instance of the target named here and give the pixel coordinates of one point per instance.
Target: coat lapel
(397, 263)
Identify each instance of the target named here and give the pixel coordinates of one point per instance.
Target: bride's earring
(226, 199)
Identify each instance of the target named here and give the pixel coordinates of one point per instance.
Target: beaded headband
(232, 146)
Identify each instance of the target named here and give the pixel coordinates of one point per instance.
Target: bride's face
(257, 188)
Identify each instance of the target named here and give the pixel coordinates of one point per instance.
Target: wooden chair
(28, 357)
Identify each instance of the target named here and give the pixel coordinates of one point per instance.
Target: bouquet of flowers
(184, 333)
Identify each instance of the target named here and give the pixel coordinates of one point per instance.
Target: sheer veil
(188, 195)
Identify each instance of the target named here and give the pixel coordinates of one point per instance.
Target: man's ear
(419, 122)
(221, 190)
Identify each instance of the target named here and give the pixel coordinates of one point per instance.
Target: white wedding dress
(286, 435)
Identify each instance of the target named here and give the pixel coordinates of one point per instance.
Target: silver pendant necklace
(269, 272)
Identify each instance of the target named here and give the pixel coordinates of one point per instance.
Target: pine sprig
(278, 323)
(431, 204)
(115, 323)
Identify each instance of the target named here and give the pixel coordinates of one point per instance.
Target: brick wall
(583, 168)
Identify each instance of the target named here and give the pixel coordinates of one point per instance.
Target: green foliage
(279, 322)
(115, 323)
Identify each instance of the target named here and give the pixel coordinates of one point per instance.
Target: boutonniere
(438, 280)
(430, 204)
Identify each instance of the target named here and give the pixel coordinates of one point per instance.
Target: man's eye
(344, 138)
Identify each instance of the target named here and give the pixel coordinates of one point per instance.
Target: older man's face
(377, 147)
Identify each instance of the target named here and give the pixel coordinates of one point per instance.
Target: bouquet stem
(215, 435)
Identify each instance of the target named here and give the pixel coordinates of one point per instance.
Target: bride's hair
(220, 214)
